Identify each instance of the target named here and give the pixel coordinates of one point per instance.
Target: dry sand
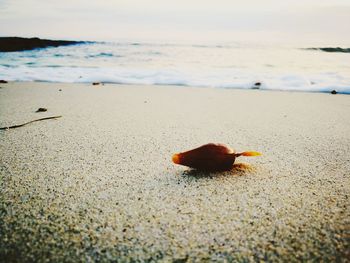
(98, 184)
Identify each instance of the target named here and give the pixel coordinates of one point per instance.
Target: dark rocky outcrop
(331, 49)
(10, 44)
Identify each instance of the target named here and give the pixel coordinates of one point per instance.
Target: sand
(98, 184)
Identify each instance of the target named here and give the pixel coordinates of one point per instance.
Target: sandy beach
(98, 183)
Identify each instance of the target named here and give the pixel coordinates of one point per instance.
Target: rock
(257, 85)
(334, 92)
(41, 110)
(331, 49)
(335, 49)
(11, 44)
(3, 81)
(96, 83)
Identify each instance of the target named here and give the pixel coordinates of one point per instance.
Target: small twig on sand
(20, 125)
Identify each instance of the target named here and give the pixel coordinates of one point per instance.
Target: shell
(209, 157)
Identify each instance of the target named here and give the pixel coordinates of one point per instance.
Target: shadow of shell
(239, 169)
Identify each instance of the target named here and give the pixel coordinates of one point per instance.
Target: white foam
(221, 67)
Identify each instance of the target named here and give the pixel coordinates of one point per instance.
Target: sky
(325, 21)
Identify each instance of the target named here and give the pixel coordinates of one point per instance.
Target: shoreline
(98, 184)
(102, 83)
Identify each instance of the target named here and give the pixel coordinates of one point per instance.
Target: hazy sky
(193, 20)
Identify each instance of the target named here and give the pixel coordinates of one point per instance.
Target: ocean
(229, 65)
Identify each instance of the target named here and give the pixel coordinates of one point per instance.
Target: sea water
(229, 65)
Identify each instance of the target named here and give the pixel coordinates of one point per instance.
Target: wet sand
(98, 184)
